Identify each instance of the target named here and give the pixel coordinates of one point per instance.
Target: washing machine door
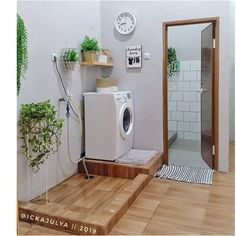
(126, 121)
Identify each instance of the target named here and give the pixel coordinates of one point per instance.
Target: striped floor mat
(186, 174)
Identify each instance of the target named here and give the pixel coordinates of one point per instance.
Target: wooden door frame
(215, 96)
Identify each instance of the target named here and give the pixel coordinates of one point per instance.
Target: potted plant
(22, 52)
(70, 58)
(41, 132)
(173, 64)
(89, 49)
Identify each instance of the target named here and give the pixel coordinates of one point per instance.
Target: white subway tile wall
(190, 135)
(176, 96)
(183, 86)
(184, 101)
(172, 86)
(190, 76)
(198, 117)
(195, 65)
(183, 126)
(198, 75)
(172, 125)
(195, 106)
(190, 96)
(195, 127)
(172, 105)
(183, 106)
(177, 115)
(198, 97)
(180, 134)
(190, 116)
(195, 86)
(184, 65)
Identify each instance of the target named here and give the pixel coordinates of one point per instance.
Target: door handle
(202, 90)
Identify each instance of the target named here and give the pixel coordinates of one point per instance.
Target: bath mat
(186, 174)
(137, 157)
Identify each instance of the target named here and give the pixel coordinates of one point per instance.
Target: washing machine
(109, 124)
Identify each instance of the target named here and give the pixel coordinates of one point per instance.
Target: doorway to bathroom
(190, 92)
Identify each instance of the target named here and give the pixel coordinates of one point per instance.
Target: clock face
(125, 23)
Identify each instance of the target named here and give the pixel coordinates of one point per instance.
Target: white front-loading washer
(109, 124)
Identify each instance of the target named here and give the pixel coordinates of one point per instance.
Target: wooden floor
(85, 206)
(127, 171)
(169, 207)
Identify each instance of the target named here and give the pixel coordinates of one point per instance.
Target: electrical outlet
(54, 56)
(147, 55)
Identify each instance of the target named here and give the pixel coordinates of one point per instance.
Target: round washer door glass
(126, 121)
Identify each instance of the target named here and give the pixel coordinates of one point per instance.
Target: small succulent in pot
(89, 49)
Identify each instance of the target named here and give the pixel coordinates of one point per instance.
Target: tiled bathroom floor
(186, 153)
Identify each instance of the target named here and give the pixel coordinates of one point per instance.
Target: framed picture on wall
(134, 56)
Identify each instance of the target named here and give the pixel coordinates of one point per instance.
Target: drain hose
(68, 137)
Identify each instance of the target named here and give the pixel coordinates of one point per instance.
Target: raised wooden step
(127, 171)
(81, 206)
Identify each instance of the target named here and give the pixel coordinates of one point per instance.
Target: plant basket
(90, 56)
(106, 85)
(69, 65)
(67, 62)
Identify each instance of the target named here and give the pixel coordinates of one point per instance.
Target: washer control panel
(122, 97)
(128, 95)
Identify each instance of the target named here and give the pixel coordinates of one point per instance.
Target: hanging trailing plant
(172, 67)
(41, 132)
(22, 53)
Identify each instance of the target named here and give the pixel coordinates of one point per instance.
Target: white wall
(146, 83)
(186, 40)
(52, 26)
(232, 74)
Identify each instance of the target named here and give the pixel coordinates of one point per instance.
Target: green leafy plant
(106, 77)
(22, 52)
(172, 62)
(89, 44)
(41, 132)
(70, 55)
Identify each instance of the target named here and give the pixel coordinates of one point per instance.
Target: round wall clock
(125, 23)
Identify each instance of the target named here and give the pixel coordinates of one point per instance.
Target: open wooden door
(207, 75)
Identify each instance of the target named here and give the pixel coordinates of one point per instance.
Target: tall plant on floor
(22, 52)
(41, 132)
(172, 62)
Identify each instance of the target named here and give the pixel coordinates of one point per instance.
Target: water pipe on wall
(70, 104)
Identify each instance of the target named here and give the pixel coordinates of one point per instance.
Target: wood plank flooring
(83, 206)
(127, 171)
(184, 209)
(168, 207)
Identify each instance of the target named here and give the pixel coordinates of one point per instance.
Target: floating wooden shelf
(96, 64)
